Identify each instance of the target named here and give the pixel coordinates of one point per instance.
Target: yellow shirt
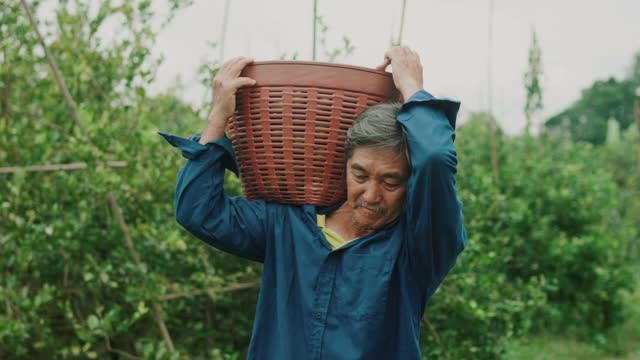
(333, 238)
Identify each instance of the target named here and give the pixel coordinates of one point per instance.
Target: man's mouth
(371, 210)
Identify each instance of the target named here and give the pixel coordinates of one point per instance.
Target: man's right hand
(225, 85)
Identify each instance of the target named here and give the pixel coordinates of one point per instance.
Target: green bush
(543, 247)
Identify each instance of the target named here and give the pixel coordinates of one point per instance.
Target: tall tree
(587, 117)
(532, 82)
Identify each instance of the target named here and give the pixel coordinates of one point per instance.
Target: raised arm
(433, 215)
(231, 224)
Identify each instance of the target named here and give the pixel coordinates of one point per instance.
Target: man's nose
(371, 194)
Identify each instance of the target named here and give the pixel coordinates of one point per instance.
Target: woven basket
(289, 129)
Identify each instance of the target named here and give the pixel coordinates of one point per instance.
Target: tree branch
(157, 310)
(219, 290)
(124, 354)
(56, 73)
(433, 332)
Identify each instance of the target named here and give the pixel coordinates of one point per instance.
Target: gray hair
(376, 127)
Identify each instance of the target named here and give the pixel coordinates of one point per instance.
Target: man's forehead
(382, 161)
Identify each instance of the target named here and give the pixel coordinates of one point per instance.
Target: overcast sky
(581, 41)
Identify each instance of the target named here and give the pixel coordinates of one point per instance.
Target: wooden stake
(404, 7)
(315, 25)
(637, 116)
(58, 167)
(224, 29)
(157, 310)
(492, 120)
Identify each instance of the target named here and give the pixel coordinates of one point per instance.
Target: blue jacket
(364, 300)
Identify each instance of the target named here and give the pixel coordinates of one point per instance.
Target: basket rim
(320, 64)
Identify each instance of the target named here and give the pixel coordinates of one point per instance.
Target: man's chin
(365, 222)
(372, 223)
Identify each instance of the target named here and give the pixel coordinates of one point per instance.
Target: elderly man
(349, 281)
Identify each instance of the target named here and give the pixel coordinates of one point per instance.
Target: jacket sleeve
(231, 224)
(435, 233)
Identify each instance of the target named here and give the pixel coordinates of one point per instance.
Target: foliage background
(550, 251)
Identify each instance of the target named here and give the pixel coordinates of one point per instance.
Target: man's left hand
(407, 70)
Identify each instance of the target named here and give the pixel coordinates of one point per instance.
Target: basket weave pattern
(289, 142)
(289, 130)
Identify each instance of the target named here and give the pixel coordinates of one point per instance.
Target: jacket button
(318, 315)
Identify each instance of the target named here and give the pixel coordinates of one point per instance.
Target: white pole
(223, 34)
(404, 7)
(315, 20)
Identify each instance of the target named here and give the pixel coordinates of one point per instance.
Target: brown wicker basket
(289, 129)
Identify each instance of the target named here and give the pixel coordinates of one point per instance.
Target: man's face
(376, 186)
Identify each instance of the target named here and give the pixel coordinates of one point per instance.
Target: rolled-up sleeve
(436, 234)
(229, 223)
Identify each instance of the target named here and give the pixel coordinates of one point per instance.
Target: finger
(229, 63)
(237, 60)
(391, 53)
(394, 53)
(238, 66)
(241, 82)
(384, 65)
